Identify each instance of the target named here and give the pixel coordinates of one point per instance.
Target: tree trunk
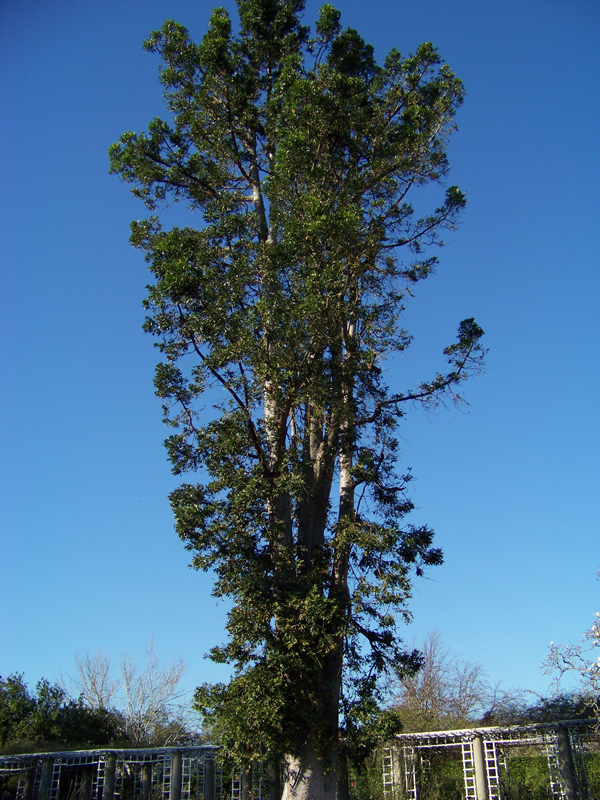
(310, 777)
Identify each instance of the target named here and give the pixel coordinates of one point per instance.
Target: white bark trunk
(308, 777)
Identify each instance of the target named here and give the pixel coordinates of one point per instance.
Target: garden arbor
(486, 754)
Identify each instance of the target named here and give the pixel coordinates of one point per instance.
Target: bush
(49, 719)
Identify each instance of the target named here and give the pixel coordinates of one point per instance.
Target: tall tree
(299, 152)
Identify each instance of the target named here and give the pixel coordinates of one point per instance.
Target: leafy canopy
(299, 153)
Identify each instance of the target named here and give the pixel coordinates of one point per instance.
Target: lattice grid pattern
(498, 746)
(81, 774)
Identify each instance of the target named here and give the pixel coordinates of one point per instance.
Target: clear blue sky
(88, 556)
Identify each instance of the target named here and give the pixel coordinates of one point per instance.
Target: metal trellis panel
(468, 760)
(388, 772)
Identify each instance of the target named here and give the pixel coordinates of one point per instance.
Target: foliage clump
(49, 719)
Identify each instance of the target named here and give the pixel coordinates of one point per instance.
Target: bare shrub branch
(149, 693)
(144, 697)
(450, 692)
(581, 660)
(94, 683)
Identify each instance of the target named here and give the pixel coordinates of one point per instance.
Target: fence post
(146, 780)
(209, 780)
(274, 779)
(108, 790)
(175, 788)
(481, 783)
(245, 784)
(28, 785)
(46, 778)
(86, 781)
(565, 763)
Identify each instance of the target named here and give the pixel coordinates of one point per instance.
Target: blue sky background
(89, 557)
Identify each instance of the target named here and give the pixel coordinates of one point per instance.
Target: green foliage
(49, 719)
(527, 776)
(592, 767)
(299, 153)
(524, 775)
(440, 776)
(366, 779)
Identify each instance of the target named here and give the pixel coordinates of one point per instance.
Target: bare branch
(94, 683)
(149, 693)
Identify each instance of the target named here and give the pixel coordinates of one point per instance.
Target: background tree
(580, 660)
(150, 694)
(93, 681)
(558, 706)
(146, 699)
(450, 692)
(299, 153)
